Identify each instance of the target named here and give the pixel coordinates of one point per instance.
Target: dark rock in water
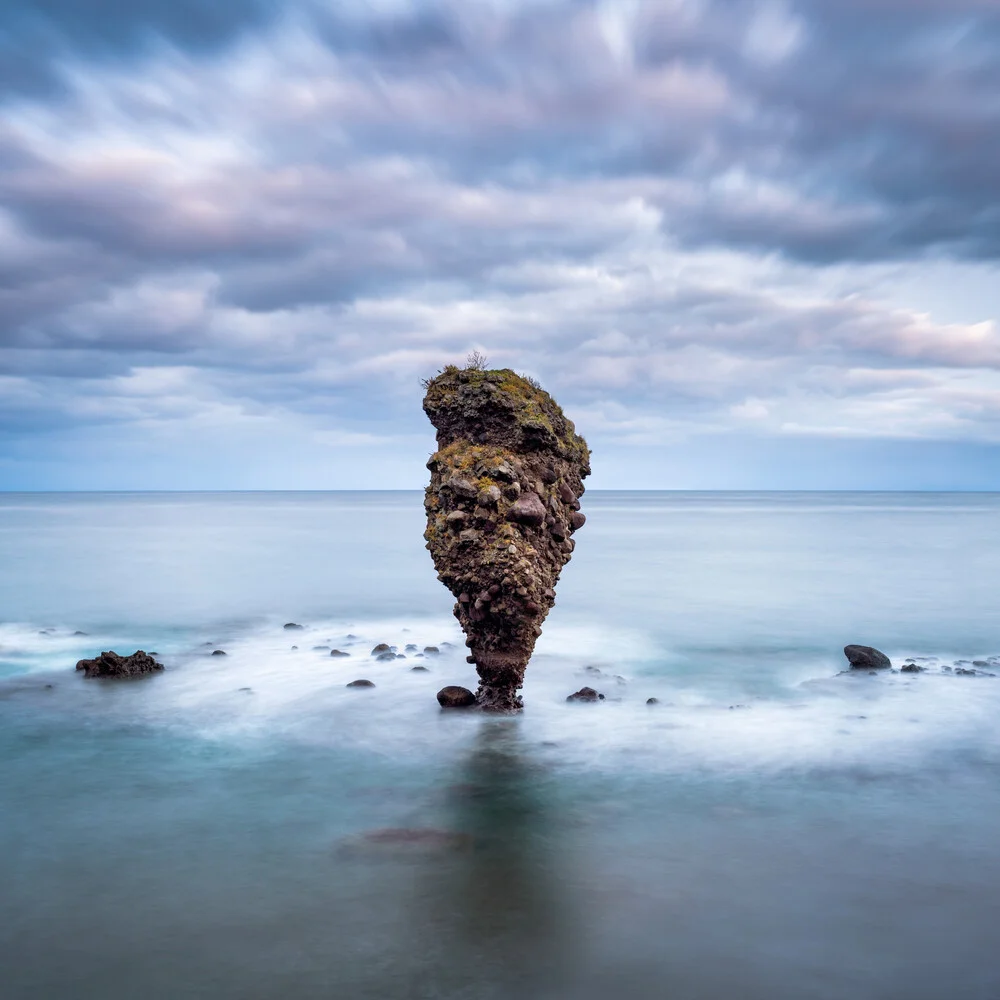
(400, 656)
(503, 437)
(338, 652)
(980, 663)
(431, 649)
(652, 701)
(585, 694)
(382, 647)
(110, 664)
(294, 647)
(292, 625)
(79, 633)
(911, 668)
(361, 684)
(218, 652)
(406, 841)
(385, 657)
(455, 697)
(411, 647)
(866, 658)
(320, 649)
(964, 672)
(350, 635)
(419, 669)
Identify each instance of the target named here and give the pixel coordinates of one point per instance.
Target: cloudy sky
(745, 244)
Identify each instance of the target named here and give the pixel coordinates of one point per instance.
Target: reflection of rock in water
(501, 507)
(511, 910)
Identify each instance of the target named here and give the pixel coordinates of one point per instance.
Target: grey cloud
(37, 36)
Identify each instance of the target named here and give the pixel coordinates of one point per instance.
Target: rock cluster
(110, 664)
(502, 506)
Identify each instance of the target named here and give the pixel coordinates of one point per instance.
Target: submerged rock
(454, 696)
(406, 841)
(911, 668)
(110, 664)
(292, 625)
(501, 506)
(338, 652)
(362, 683)
(218, 652)
(866, 658)
(586, 694)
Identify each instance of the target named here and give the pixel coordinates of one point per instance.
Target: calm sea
(230, 828)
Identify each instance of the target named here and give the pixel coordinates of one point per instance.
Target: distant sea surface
(246, 826)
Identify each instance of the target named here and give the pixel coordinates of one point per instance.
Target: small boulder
(218, 652)
(338, 652)
(110, 664)
(362, 683)
(911, 668)
(419, 670)
(431, 649)
(527, 509)
(454, 696)
(585, 694)
(292, 625)
(866, 658)
(382, 647)
(386, 656)
(652, 701)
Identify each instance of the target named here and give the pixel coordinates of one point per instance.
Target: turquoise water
(770, 829)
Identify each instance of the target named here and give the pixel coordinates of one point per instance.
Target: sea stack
(502, 505)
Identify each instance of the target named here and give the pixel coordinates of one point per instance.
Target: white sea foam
(264, 689)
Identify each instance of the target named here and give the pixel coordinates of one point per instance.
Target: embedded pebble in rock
(361, 684)
(585, 694)
(338, 652)
(454, 696)
(866, 658)
(501, 505)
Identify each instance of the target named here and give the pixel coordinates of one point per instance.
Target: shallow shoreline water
(771, 829)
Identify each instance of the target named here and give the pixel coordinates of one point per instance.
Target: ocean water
(231, 828)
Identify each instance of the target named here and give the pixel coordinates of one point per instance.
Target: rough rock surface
(866, 658)
(501, 506)
(586, 694)
(110, 664)
(454, 696)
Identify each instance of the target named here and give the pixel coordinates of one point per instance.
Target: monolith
(502, 505)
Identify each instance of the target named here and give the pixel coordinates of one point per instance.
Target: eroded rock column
(502, 507)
